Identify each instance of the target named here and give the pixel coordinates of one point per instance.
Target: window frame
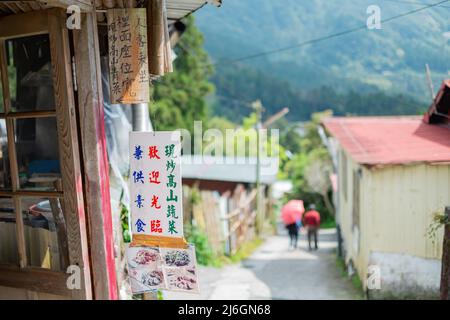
(51, 22)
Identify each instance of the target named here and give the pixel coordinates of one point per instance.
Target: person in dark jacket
(293, 234)
(311, 221)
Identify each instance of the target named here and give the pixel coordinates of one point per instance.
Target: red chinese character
(153, 152)
(155, 202)
(155, 226)
(154, 177)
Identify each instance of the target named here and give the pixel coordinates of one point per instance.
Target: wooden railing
(241, 224)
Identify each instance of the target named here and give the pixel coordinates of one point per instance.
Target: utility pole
(257, 106)
(259, 109)
(275, 117)
(140, 117)
(430, 83)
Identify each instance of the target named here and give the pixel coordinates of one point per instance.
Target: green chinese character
(171, 211)
(172, 229)
(171, 197)
(171, 183)
(169, 150)
(170, 165)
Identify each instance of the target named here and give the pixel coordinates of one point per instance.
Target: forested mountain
(364, 72)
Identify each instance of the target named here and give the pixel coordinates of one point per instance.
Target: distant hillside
(386, 62)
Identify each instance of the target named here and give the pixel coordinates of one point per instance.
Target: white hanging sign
(155, 184)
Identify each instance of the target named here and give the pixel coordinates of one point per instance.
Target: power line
(327, 37)
(413, 3)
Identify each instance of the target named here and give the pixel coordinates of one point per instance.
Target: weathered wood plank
(68, 149)
(35, 279)
(26, 24)
(29, 114)
(84, 5)
(26, 193)
(93, 143)
(128, 55)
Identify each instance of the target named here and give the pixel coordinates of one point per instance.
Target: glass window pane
(5, 173)
(37, 154)
(8, 240)
(45, 233)
(30, 73)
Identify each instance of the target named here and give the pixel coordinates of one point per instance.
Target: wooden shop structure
(56, 238)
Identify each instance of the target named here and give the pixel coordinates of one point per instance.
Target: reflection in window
(30, 73)
(45, 233)
(37, 153)
(5, 173)
(8, 239)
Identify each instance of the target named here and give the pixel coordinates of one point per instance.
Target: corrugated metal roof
(176, 9)
(391, 140)
(237, 169)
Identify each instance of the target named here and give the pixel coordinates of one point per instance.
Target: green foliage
(237, 85)
(220, 123)
(242, 141)
(312, 151)
(203, 251)
(391, 59)
(124, 216)
(180, 97)
(290, 140)
(440, 219)
(355, 280)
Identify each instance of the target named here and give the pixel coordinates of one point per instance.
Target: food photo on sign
(153, 268)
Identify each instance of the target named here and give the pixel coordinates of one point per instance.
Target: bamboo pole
(156, 37)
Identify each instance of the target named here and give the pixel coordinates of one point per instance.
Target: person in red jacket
(311, 221)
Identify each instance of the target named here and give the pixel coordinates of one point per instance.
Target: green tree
(309, 170)
(179, 97)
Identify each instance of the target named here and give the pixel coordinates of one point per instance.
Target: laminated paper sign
(128, 55)
(155, 186)
(152, 268)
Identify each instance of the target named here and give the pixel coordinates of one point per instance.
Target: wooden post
(156, 36)
(69, 149)
(445, 273)
(93, 146)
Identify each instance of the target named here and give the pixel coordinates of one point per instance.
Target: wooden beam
(69, 149)
(29, 193)
(84, 5)
(35, 279)
(29, 114)
(93, 144)
(25, 24)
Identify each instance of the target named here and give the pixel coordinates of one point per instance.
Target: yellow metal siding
(404, 200)
(397, 206)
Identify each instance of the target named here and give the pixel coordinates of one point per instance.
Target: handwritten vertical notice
(128, 55)
(155, 184)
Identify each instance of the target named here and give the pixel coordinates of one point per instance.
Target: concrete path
(275, 272)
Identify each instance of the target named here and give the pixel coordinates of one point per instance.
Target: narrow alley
(275, 272)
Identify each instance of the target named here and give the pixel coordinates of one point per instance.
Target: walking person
(311, 221)
(291, 215)
(293, 234)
